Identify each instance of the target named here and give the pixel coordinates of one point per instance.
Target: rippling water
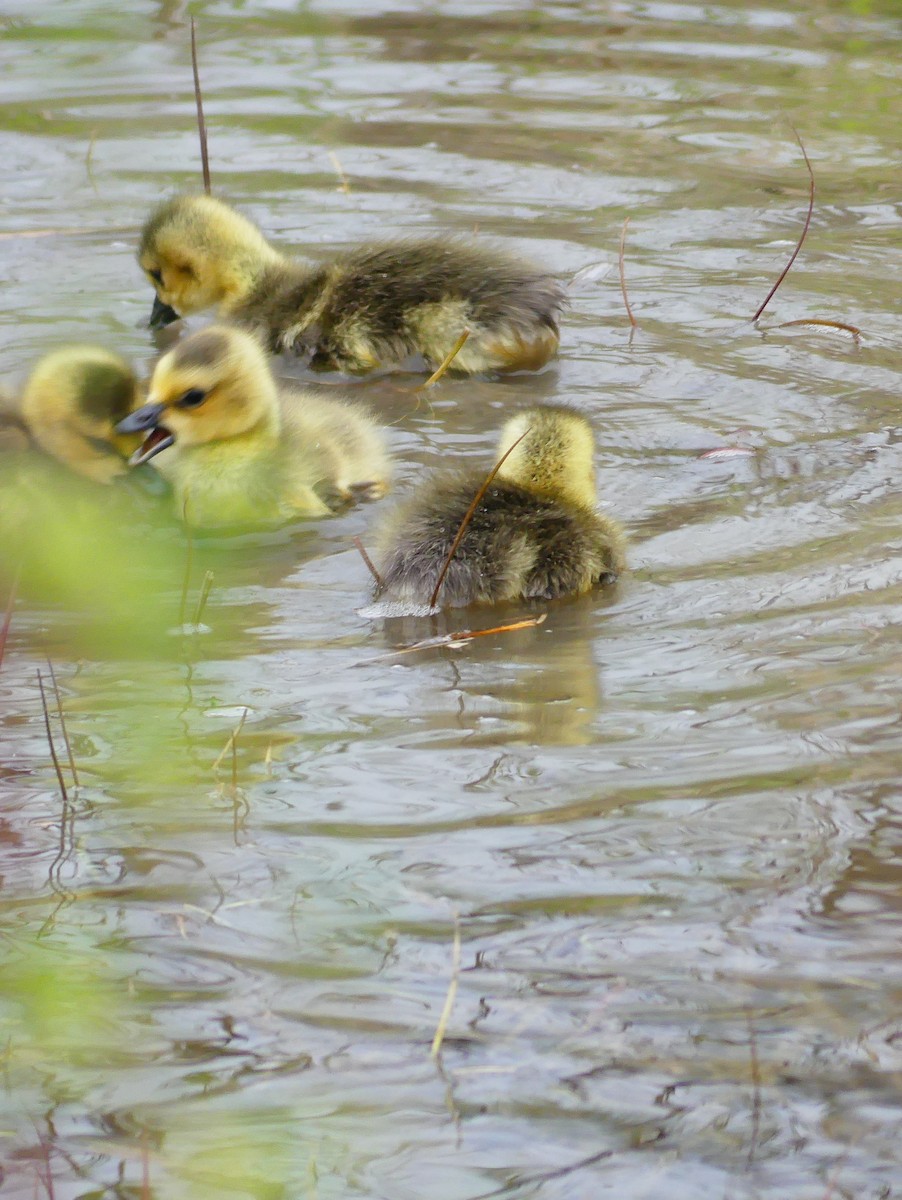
(665, 824)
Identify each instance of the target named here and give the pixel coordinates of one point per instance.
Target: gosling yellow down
(240, 450)
(535, 534)
(370, 307)
(69, 408)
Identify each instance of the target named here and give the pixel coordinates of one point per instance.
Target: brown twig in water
(56, 761)
(203, 598)
(344, 185)
(201, 123)
(795, 253)
(230, 744)
(446, 361)
(443, 1020)
(189, 564)
(853, 329)
(462, 637)
(371, 567)
(626, 300)
(62, 717)
(8, 616)
(468, 515)
(756, 1092)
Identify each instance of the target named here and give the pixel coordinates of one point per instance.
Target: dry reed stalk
(344, 185)
(198, 100)
(795, 253)
(853, 329)
(451, 995)
(621, 261)
(371, 567)
(468, 515)
(446, 361)
(203, 598)
(230, 744)
(462, 637)
(235, 735)
(62, 717)
(56, 761)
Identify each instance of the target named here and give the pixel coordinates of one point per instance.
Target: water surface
(665, 824)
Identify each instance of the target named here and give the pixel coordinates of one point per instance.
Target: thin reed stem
(795, 253)
(371, 566)
(204, 597)
(468, 515)
(62, 717)
(56, 761)
(201, 123)
(621, 264)
(451, 995)
(446, 361)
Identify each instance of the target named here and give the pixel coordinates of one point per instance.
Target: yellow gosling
(374, 306)
(240, 450)
(535, 534)
(69, 408)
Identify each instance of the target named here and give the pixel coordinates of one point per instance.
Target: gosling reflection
(538, 685)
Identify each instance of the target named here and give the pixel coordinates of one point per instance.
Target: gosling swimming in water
(240, 450)
(534, 535)
(69, 408)
(370, 307)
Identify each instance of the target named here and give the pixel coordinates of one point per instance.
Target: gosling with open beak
(147, 417)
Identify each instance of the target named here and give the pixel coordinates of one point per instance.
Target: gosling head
(555, 456)
(198, 252)
(215, 385)
(72, 403)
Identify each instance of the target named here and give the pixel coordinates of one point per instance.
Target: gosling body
(370, 307)
(69, 408)
(535, 534)
(240, 451)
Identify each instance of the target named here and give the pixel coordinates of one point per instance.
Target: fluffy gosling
(240, 450)
(69, 408)
(370, 307)
(535, 534)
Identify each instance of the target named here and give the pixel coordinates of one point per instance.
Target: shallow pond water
(663, 827)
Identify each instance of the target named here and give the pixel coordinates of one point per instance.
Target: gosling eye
(156, 276)
(192, 398)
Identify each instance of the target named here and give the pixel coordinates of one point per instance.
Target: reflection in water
(539, 686)
(665, 822)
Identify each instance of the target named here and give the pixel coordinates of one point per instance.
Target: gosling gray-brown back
(370, 307)
(535, 534)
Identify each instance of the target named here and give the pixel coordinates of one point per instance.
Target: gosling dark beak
(161, 314)
(146, 417)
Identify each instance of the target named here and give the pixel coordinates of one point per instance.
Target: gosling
(371, 307)
(69, 409)
(239, 450)
(535, 534)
